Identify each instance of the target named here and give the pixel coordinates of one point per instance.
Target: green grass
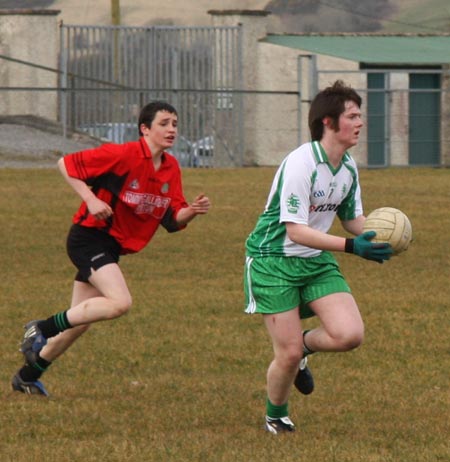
(182, 377)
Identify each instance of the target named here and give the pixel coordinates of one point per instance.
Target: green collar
(321, 157)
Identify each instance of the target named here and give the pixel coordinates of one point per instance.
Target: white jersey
(307, 190)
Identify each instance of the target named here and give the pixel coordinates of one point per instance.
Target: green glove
(375, 251)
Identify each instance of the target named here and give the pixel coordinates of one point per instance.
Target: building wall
(253, 28)
(399, 126)
(274, 125)
(29, 35)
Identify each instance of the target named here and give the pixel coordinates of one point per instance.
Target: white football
(391, 225)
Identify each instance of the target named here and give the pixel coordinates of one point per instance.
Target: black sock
(32, 373)
(306, 350)
(54, 325)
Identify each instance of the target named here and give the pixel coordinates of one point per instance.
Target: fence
(109, 73)
(407, 116)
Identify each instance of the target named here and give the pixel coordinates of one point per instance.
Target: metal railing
(215, 134)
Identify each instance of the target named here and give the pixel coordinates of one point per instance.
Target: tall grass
(182, 377)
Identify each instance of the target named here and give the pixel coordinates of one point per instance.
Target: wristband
(349, 245)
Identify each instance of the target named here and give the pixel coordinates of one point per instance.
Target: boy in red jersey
(127, 190)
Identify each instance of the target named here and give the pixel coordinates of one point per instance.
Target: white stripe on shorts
(251, 307)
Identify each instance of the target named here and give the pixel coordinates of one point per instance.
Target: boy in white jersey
(290, 273)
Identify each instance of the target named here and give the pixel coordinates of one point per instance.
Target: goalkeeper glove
(375, 251)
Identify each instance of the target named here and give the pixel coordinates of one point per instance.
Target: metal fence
(392, 135)
(110, 72)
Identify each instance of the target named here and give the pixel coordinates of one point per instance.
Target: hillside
(432, 15)
(288, 16)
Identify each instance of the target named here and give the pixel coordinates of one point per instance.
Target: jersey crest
(134, 185)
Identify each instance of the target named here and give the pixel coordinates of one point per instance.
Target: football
(391, 225)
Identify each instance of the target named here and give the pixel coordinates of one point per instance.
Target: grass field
(182, 377)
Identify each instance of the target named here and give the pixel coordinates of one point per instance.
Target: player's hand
(101, 210)
(363, 247)
(200, 205)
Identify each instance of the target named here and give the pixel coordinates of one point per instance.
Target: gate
(110, 72)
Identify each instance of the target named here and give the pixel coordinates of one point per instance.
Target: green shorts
(277, 284)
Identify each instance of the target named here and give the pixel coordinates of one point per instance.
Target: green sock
(276, 412)
(54, 324)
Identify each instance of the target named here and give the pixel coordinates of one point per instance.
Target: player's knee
(352, 339)
(121, 306)
(291, 357)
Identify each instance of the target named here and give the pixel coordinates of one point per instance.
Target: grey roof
(372, 49)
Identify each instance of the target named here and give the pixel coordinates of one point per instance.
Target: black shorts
(91, 248)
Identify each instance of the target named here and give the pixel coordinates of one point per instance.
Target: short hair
(148, 113)
(330, 102)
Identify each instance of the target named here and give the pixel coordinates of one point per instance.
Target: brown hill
(288, 16)
(149, 12)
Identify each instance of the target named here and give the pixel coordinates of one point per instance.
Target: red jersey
(123, 176)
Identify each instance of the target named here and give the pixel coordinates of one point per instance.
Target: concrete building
(29, 35)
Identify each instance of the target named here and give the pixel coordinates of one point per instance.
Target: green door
(424, 119)
(376, 120)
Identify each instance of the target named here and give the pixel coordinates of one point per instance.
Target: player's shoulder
(119, 149)
(128, 151)
(303, 155)
(124, 154)
(105, 150)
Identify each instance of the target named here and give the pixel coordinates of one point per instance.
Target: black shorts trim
(90, 249)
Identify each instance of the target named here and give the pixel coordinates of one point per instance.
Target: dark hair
(148, 113)
(330, 102)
